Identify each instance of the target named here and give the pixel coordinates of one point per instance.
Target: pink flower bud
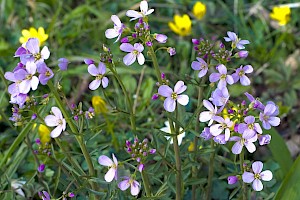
(232, 180)
(161, 38)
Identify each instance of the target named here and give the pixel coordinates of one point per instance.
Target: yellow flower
(281, 14)
(44, 133)
(191, 147)
(99, 105)
(33, 33)
(182, 25)
(199, 10)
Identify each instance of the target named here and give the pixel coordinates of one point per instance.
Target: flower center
(60, 122)
(251, 126)
(223, 76)
(266, 117)
(37, 56)
(99, 77)
(257, 176)
(29, 76)
(241, 73)
(135, 52)
(47, 73)
(174, 95)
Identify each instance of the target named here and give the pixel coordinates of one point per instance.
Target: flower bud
(242, 54)
(264, 139)
(141, 167)
(171, 51)
(34, 116)
(160, 38)
(155, 97)
(195, 41)
(149, 43)
(232, 180)
(41, 168)
(71, 195)
(38, 141)
(152, 151)
(124, 40)
(88, 61)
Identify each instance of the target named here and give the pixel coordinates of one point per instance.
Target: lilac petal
(10, 76)
(101, 68)
(205, 116)
(269, 109)
(242, 127)
(222, 69)
(229, 79)
(135, 187)
(244, 42)
(104, 82)
(34, 82)
(51, 120)
(165, 91)
(129, 58)
(257, 167)
(250, 147)
(216, 129)
(235, 77)
(111, 33)
(222, 84)
(249, 96)
(237, 148)
(196, 65)
(248, 177)
(248, 133)
(180, 87)
(234, 138)
(208, 105)
(266, 125)
(266, 175)
(45, 53)
(13, 89)
(94, 84)
(139, 47)
(214, 77)
(257, 128)
(33, 45)
(92, 69)
(105, 161)
(227, 134)
(124, 185)
(88, 61)
(57, 113)
(183, 99)
(141, 58)
(274, 121)
(133, 13)
(127, 47)
(169, 104)
(24, 86)
(248, 69)
(110, 174)
(56, 132)
(116, 20)
(31, 67)
(227, 39)
(63, 64)
(245, 80)
(20, 51)
(249, 119)
(202, 72)
(232, 36)
(115, 159)
(257, 185)
(220, 139)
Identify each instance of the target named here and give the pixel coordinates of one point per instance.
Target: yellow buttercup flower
(33, 33)
(199, 10)
(182, 25)
(99, 105)
(44, 133)
(281, 14)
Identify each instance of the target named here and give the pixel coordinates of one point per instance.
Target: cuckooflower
(130, 182)
(268, 117)
(133, 53)
(182, 25)
(242, 141)
(56, 120)
(281, 14)
(208, 115)
(236, 42)
(45, 73)
(33, 46)
(167, 129)
(199, 10)
(240, 74)
(113, 166)
(250, 128)
(200, 66)
(27, 78)
(173, 96)
(264, 139)
(99, 74)
(33, 33)
(206, 135)
(117, 30)
(224, 124)
(222, 76)
(257, 176)
(256, 103)
(220, 97)
(144, 11)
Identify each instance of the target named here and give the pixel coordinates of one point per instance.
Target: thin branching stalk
(244, 186)
(210, 172)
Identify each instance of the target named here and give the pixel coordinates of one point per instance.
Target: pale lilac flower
(257, 176)
(200, 66)
(240, 74)
(44, 195)
(208, 115)
(224, 125)
(45, 73)
(133, 53)
(173, 96)
(27, 78)
(250, 128)
(242, 54)
(130, 182)
(268, 117)
(17, 186)
(167, 129)
(13, 88)
(171, 51)
(56, 120)
(32, 45)
(161, 38)
(117, 30)
(236, 42)
(206, 135)
(63, 64)
(256, 103)
(242, 141)
(19, 99)
(112, 164)
(220, 97)
(99, 74)
(222, 76)
(144, 11)
(264, 139)
(232, 180)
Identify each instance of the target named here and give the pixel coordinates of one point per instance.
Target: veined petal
(111, 33)
(169, 104)
(105, 161)
(215, 129)
(237, 148)
(33, 45)
(229, 79)
(274, 121)
(110, 174)
(56, 111)
(245, 80)
(248, 69)
(101, 68)
(127, 47)
(180, 87)
(208, 105)
(24, 86)
(196, 65)
(202, 72)
(183, 99)
(269, 109)
(45, 53)
(266, 175)
(124, 185)
(248, 177)
(250, 147)
(222, 69)
(31, 67)
(116, 20)
(94, 84)
(205, 116)
(214, 77)
(129, 58)
(135, 188)
(257, 185)
(56, 132)
(51, 120)
(104, 82)
(92, 69)
(139, 47)
(232, 36)
(165, 91)
(257, 167)
(141, 58)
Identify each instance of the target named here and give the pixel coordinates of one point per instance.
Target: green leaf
(289, 188)
(280, 152)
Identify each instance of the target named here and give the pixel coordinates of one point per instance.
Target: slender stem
(146, 183)
(155, 64)
(138, 89)
(244, 186)
(3, 78)
(210, 172)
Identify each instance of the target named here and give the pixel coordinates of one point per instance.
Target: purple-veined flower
(56, 120)
(173, 96)
(268, 117)
(133, 53)
(224, 124)
(27, 78)
(144, 11)
(256, 103)
(206, 135)
(32, 45)
(161, 38)
(44, 195)
(63, 64)
(249, 128)
(236, 42)
(232, 180)
(240, 74)
(222, 76)
(99, 74)
(257, 176)
(113, 167)
(200, 66)
(220, 97)
(45, 73)
(242, 141)
(264, 139)
(117, 30)
(167, 129)
(208, 115)
(130, 182)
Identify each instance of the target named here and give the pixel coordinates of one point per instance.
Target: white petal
(205, 116)
(257, 185)
(105, 161)
(180, 137)
(237, 148)
(169, 104)
(104, 82)
(141, 58)
(111, 33)
(215, 129)
(45, 53)
(133, 13)
(24, 86)
(109, 176)
(51, 120)
(94, 84)
(183, 99)
(34, 82)
(56, 132)
(250, 147)
(129, 59)
(56, 111)
(116, 20)
(144, 6)
(208, 105)
(248, 177)
(266, 175)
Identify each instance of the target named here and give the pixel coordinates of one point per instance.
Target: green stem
(244, 186)
(3, 78)
(210, 172)
(146, 183)
(155, 64)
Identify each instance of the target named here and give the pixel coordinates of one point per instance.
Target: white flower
(56, 120)
(144, 11)
(167, 129)
(117, 30)
(17, 185)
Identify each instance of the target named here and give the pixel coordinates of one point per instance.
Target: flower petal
(139, 47)
(33, 45)
(257, 167)
(105, 161)
(116, 20)
(250, 147)
(274, 121)
(237, 148)
(51, 120)
(110, 174)
(196, 65)
(104, 82)
(208, 105)
(222, 69)
(101, 68)
(129, 58)
(34, 82)
(56, 132)
(111, 33)
(94, 84)
(169, 104)
(124, 185)
(205, 116)
(180, 87)
(165, 91)
(183, 99)
(215, 129)
(93, 70)
(24, 86)
(141, 58)
(127, 47)
(257, 185)
(266, 175)
(56, 111)
(135, 186)
(214, 77)
(45, 53)
(248, 177)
